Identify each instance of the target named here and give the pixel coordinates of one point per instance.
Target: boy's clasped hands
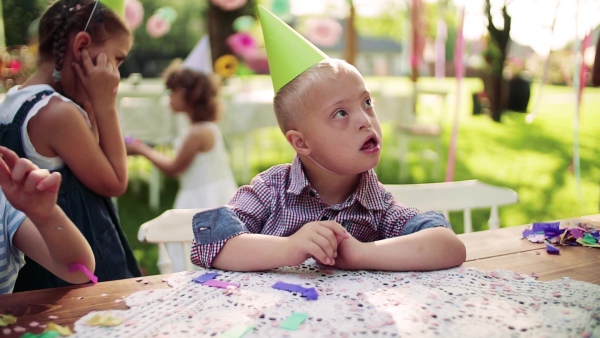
(327, 242)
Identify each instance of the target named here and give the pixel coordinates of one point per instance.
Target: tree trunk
(220, 26)
(350, 47)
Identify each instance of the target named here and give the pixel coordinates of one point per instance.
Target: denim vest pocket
(216, 224)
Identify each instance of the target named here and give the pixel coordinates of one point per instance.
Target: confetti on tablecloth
(457, 302)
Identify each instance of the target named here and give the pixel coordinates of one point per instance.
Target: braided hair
(65, 17)
(201, 91)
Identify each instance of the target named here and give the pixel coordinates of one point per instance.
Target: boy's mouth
(370, 144)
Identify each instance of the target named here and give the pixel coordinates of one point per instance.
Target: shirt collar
(369, 192)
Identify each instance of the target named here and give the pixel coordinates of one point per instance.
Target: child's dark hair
(64, 17)
(201, 91)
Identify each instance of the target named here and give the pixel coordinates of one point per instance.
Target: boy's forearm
(428, 249)
(253, 252)
(65, 244)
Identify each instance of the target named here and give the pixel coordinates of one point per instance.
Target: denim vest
(94, 215)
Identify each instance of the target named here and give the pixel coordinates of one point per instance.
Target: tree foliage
(18, 16)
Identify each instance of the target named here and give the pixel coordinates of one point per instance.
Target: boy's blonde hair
(291, 102)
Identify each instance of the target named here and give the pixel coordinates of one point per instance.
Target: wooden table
(487, 250)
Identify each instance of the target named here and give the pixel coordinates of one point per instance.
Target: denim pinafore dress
(94, 215)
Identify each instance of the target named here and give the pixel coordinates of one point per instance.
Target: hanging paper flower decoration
(241, 43)
(243, 23)
(323, 31)
(157, 26)
(257, 61)
(229, 5)
(226, 65)
(168, 13)
(15, 66)
(134, 13)
(281, 8)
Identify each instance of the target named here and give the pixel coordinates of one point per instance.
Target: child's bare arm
(428, 249)
(97, 158)
(252, 252)
(46, 235)
(199, 139)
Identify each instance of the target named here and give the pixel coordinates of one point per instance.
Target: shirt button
(312, 193)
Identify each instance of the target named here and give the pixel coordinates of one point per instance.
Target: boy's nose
(365, 120)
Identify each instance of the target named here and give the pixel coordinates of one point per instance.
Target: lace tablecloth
(451, 303)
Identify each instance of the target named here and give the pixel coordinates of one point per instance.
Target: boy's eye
(368, 102)
(340, 113)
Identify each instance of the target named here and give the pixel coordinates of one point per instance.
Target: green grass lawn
(533, 159)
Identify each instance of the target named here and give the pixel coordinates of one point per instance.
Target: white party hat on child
(289, 53)
(200, 58)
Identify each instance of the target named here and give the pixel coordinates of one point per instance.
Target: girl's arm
(97, 157)
(200, 138)
(60, 130)
(54, 242)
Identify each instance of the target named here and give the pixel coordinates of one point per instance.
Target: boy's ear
(298, 142)
(82, 40)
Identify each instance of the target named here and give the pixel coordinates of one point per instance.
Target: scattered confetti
(205, 277)
(6, 320)
(237, 331)
(139, 279)
(551, 249)
(52, 317)
(82, 268)
(104, 320)
(293, 321)
(34, 324)
(18, 329)
(61, 330)
(220, 284)
(309, 293)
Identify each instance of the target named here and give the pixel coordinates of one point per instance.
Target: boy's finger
(9, 157)
(33, 178)
(335, 227)
(50, 183)
(4, 173)
(21, 169)
(330, 236)
(324, 245)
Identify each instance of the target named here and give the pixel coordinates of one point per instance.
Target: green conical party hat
(118, 6)
(289, 53)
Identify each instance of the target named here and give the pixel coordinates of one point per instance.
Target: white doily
(451, 303)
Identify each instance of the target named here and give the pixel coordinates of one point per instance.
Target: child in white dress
(201, 161)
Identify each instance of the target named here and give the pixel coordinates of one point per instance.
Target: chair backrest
(455, 196)
(172, 226)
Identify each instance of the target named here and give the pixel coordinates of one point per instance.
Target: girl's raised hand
(100, 79)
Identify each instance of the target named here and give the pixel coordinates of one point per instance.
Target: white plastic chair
(172, 226)
(425, 126)
(455, 196)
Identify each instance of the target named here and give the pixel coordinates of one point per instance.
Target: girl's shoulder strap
(27, 105)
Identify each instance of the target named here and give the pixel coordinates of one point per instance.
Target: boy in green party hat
(327, 204)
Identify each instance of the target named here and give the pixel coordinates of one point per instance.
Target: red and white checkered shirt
(280, 200)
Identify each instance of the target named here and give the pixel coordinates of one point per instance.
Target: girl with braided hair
(201, 161)
(64, 119)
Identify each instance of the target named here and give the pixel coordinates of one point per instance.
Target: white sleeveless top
(208, 182)
(15, 97)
